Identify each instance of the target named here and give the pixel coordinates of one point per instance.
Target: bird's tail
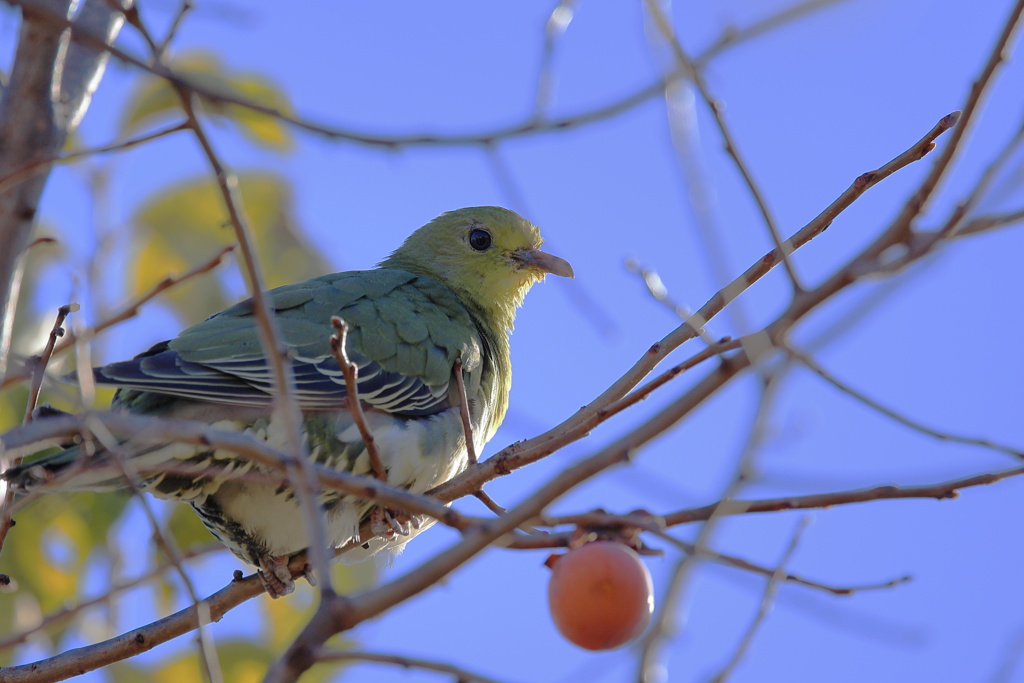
(39, 470)
(65, 470)
(64, 467)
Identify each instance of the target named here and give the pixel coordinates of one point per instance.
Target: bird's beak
(545, 262)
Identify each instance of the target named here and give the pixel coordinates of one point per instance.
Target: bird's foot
(385, 523)
(275, 576)
(307, 574)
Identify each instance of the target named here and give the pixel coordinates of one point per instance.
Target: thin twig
(350, 370)
(207, 651)
(940, 491)
(41, 165)
(467, 427)
(467, 430)
(812, 365)
(731, 38)
(40, 362)
(990, 222)
(901, 227)
(300, 475)
(687, 64)
(130, 310)
(663, 623)
(554, 28)
(659, 292)
(460, 674)
(986, 179)
(820, 501)
(179, 18)
(528, 127)
(490, 503)
(691, 549)
(70, 610)
(716, 349)
(38, 370)
(579, 425)
(140, 430)
(767, 601)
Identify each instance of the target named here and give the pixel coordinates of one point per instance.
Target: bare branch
(812, 365)
(467, 427)
(900, 229)
(69, 611)
(467, 430)
(986, 223)
(664, 622)
(939, 491)
(207, 652)
(529, 451)
(41, 165)
(687, 64)
(38, 369)
(554, 28)
(528, 127)
(462, 675)
(127, 312)
(141, 430)
(300, 475)
(39, 364)
(766, 603)
(490, 503)
(351, 372)
(968, 204)
(91, 657)
(50, 88)
(179, 18)
(345, 612)
(731, 38)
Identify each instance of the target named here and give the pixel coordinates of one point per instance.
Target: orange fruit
(600, 595)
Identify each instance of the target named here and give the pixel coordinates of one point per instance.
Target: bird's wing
(405, 334)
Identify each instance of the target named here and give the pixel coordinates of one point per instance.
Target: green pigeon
(449, 294)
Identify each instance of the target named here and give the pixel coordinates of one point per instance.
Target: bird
(443, 303)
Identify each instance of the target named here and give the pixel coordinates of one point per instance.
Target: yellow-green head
(488, 256)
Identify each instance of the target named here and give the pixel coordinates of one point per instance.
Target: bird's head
(487, 255)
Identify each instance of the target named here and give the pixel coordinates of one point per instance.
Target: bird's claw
(275, 576)
(384, 523)
(307, 574)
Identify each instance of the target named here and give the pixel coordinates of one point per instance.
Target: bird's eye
(479, 239)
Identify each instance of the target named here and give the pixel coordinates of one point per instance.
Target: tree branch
(36, 117)
(579, 425)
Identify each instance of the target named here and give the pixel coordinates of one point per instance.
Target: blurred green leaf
(241, 661)
(185, 529)
(47, 552)
(185, 226)
(182, 667)
(156, 100)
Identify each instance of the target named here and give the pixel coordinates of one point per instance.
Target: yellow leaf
(185, 225)
(156, 100)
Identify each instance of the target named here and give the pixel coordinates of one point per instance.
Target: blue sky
(812, 105)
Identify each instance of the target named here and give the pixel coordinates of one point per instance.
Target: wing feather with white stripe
(406, 333)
